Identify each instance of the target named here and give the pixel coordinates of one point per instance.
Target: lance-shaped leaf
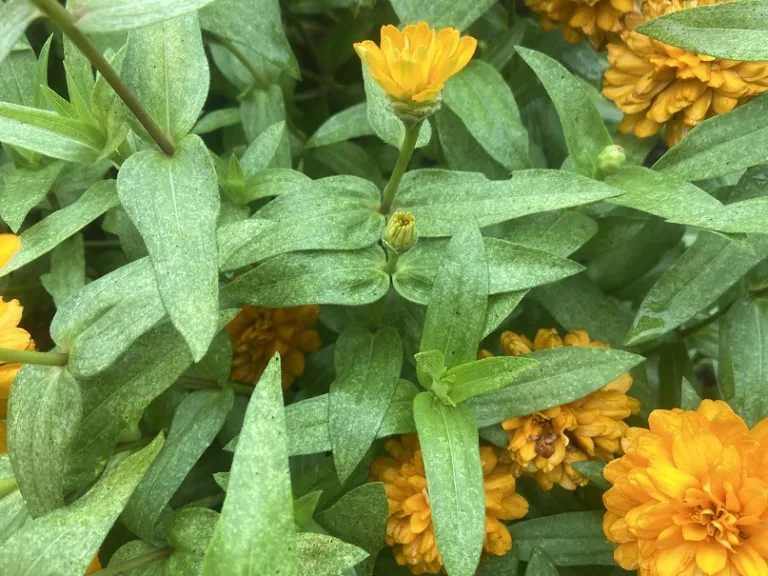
(585, 133)
(255, 534)
(347, 124)
(367, 370)
(23, 190)
(359, 517)
(50, 232)
(43, 414)
(108, 16)
(486, 375)
(539, 564)
(444, 202)
(440, 13)
(450, 448)
(323, 555)
(456, 312)
(15, 15)
(66, 540)
(67, 273)
(174, 203)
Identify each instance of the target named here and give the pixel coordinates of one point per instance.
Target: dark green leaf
(539, 564)
(322, 555)
(560, 233)
(347, 124)
(359, 517)
(593, 470)
(441, 13)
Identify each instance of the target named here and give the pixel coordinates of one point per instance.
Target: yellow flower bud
(400, 233)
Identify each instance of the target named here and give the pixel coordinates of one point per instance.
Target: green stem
(12, 356)
(258, 80)
(406, 151)
(133, 563)
(63, 19)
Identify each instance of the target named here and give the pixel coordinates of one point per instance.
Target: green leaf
(349, 158)
(64, 541)
(222, 118)
(720, 145)
(570, 539)
(702, 274)
(23, 190)
(690, 397)
(367, 370)
(166, 67)
(304, 507)
(744, 358)
(274, 182)
(343, 278)
(53, 230)
(261, 152)
(441, 13)
(189, 533)
(322, 555)
(500, 306)
(255, 534)
(508, 565)
(511, 268)
(480, 96)
(585, 133)
(261, 109)
(67, 273)
(17, 72)
(450, 448)
(174, 203)
(486, 375)
(48, 133)
(577, 304)
(562, 375)
(383, 121)
(539, 564)
(198, 419)
(254, 24)
(359, 517)
(13, 513)
(444, 201)
(430, 367)
(456, 312)
(593, 470)
(560, 233)
(744, 217)
(110, 16)
(43, 414)
(347, 124)
(735, 31)
(15, 15)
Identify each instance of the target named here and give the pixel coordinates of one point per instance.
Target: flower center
(721, 525)
(545, 444)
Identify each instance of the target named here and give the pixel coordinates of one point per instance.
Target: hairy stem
(406, 151)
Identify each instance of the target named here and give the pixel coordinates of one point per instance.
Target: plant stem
(63, 19)
(12, 356)
(406, 151)
(258, 80)
(133, 563)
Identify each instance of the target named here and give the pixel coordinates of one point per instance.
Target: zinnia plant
(383, 287)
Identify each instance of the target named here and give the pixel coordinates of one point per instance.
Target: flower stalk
(12, 356)
(63, 19)
(406, 151)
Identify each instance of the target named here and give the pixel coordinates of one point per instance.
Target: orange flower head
(595, 19)
(656, 85)
(9, 245)
(11, 336)
(547, 443)
(690, 496)
(257, 333)
(412, 65)
(410, 532)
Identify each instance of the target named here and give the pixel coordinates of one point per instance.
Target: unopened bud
(611, 159)
(400, 233)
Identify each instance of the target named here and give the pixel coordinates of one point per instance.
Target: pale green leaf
(261, 152)
(274, 182)
(15, 15)
(67, 273)
(367, 369)
(174, 203)
(480, 96)
(347, 124)
(255, 534)
(441, 13)
(53, 230)
(486, 375)
(166, 67)
(449, 445)
(261, 109)
(560, 233)
(443, 201)
(222, 118)
(23, 190)
(64, 541)
(17, 72)
(345, 278)
(323, 555)
(111, 16)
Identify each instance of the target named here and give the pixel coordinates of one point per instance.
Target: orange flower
(656, 85)
(410, 532)
(94, 566)
(690, 495)
(595, 19)
(9, 245)
(546, 444)
(257, 333)
(11, 336)
(413, 65)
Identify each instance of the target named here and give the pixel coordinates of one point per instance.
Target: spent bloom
(690, 495)
(410, 532)
(15, 338)
(656, 85)
(595, 19)
(412, 65)
(257, 333)
(547, 443)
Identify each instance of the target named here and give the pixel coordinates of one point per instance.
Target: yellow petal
(9, 245)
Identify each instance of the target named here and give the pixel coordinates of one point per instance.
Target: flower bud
(400, 233)
(611, 159)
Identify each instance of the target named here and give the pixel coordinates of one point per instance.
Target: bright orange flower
(257, 333)
(410, 532)
(690, 495)
(595, 19)
(11, 336)
(413, 65)
(546, 444)
(9, 245)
